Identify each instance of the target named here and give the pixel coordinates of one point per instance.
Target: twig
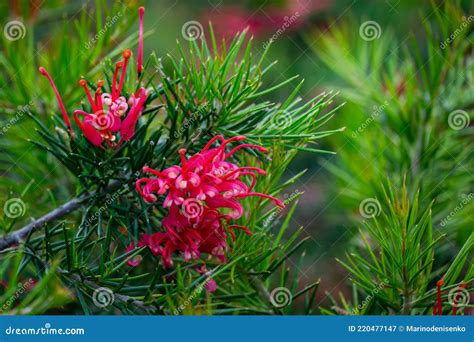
(68, 207)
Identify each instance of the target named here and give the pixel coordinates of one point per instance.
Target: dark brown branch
(68, 207)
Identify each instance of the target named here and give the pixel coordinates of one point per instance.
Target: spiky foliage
(69, 48)
(206, 91)
(22, 293)
(413, 103)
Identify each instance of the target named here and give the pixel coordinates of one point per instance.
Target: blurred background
(293, 27)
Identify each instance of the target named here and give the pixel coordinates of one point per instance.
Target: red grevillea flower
(137, 259)
(141, 12)
(202, 195)
(111, 113)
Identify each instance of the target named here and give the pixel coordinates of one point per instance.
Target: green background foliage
(368, 119)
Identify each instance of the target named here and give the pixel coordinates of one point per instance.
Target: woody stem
(68, 207)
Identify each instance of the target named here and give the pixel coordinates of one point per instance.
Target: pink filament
(58, 98)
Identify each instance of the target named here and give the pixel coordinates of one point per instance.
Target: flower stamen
(83, 84)
(126, 56)
(58, 98)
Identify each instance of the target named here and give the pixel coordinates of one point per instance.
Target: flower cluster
(202, 196)
(111, 113)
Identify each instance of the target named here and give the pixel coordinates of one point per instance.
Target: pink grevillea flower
(205, 179)
(137, 259)
(58, 98)
(288, 15)
(202, 196)
(112, 116)
(210, 284)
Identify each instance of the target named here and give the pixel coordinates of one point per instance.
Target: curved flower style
(202, 195)
(111, 113)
